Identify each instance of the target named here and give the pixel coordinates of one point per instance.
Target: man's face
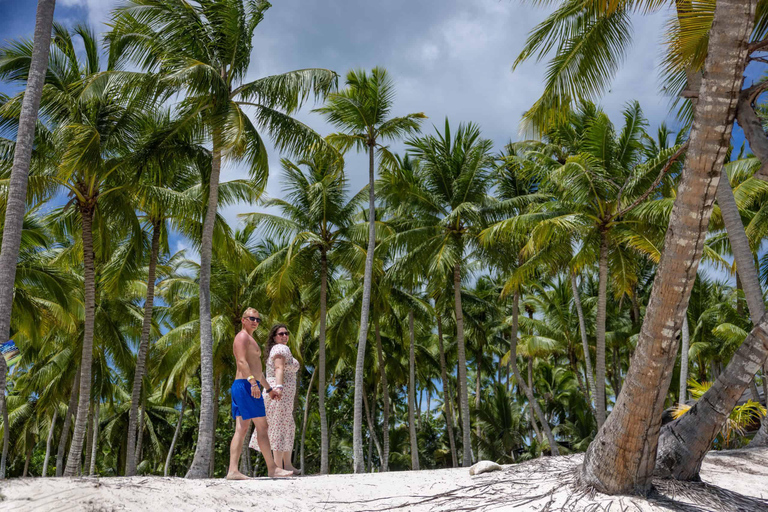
(252, 319)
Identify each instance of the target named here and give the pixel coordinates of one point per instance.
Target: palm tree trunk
(204, 449)
(622, 457)
(686, 342)
(371, 430)
(602, 299)
(677, 452)
(84, 400)
(216, 391)
(48, 442)
(324, 439)
(584, 342)
(17, 189)
(168, 457)
(304, 423)
(142, 412)
(384, 398)
(130, 464)
(446, 392)
(88, 440)
(357, 431)
(28, 458)
(411, 394)
(95, 442)
(67, 424)
(462, 371)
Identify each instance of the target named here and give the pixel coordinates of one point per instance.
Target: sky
(448, 58)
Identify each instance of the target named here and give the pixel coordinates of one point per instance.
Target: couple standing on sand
(274, 426)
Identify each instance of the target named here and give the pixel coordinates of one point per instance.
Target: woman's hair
(271, 339)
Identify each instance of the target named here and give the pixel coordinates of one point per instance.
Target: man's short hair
(247, 310)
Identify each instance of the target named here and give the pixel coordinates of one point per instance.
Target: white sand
(735, 480)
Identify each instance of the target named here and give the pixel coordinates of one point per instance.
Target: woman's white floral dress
(282, 428)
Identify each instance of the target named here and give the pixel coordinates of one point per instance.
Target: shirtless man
(247, 402)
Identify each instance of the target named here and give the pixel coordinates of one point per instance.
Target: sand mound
(734, 480)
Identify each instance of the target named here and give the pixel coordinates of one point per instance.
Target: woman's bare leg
(266, 450)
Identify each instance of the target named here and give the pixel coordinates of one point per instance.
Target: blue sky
(448, 58)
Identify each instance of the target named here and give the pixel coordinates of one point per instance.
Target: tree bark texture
(204, 449)
(95, 439)
(384, 399)
(446, 394)
(17, 188)
(324, 439)
(141, 357)
(86, 359)
(622, 457)
(411, 394)
(305, 421)
(48, 442)
(168, 457)
(602, 303)
(462, 370)
(686, 342)
(67, 424)
(357, 429)
(584, 342)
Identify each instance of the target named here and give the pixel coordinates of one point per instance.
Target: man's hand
(255, 391)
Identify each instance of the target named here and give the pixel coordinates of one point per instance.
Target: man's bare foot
(280, 473)
(236, 475)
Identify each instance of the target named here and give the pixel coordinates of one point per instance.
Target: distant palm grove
(471, 302)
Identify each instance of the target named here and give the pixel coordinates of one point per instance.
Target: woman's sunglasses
(284, 333)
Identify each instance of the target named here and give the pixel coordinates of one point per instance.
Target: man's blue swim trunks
(243, 404)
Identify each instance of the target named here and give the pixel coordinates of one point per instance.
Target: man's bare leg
(236, 448)
(266, 449)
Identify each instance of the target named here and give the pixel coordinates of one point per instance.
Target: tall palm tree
(17, 188)
(448, 195)
(611, 463)
(204, 51)
(361, 113)
(315, 219)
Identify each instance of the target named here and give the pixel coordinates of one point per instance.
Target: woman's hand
(276, 394)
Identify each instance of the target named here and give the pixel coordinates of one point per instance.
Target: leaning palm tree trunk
(384, 398)
(446, 395)
(372, 437)
(84, 400)
(204, 449)
(95, 441)
(622, 457)
(411, 395)
(533, 404)
(591, 387)
(167, 467)
(462, 370)
(684, 443)
(321, 390)
(602, 298)
(48, 442)
(67, 424)
(17, 187)
(141, 357)
(304, 423)
(357, 430)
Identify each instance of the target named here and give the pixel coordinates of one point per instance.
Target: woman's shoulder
(280, 351)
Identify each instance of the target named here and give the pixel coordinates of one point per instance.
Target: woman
(281, 377)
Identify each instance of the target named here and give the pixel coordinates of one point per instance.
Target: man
(247, 402)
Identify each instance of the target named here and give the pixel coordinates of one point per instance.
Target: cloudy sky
(448, 58)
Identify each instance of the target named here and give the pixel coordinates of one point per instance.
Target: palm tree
(204, 50)
(314, 221)
(17, 188)
(449, 193)
(611, 463)
(361, 112)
